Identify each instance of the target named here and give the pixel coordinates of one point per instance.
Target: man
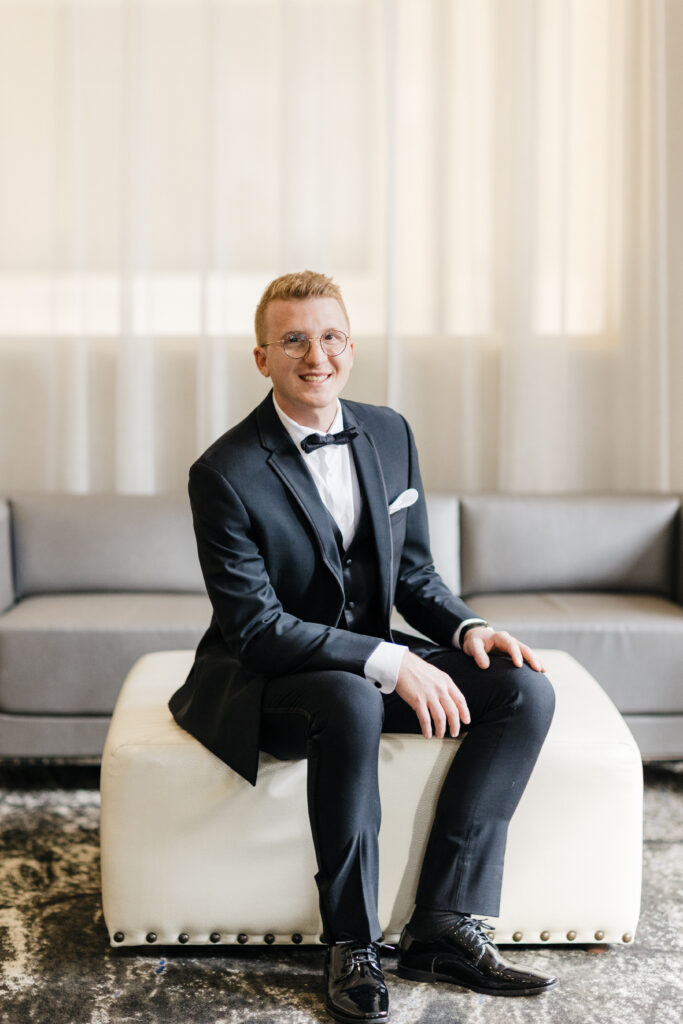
(311, 525)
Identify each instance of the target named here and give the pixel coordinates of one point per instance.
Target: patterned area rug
(56, 965)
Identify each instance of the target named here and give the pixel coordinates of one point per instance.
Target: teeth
(315, 376)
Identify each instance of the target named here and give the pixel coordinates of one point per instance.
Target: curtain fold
(489, 181)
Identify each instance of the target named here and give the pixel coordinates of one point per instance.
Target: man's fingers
(532, 658)
(433, 696)
(520, 652)
(479, 653)
(425, 720)
(454, 705)
(445, 711)
(452, 717)
(439, 717)
(479, 642)
(504, 642)
(461, 704)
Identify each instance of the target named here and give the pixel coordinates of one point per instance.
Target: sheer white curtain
(490, 181)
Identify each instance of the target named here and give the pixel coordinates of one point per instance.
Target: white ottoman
(193, 853)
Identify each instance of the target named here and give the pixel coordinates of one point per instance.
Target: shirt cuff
(465, 622)
(382, 666)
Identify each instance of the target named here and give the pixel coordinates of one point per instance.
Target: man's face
(307, 388)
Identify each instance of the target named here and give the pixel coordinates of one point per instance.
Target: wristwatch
(472, 624)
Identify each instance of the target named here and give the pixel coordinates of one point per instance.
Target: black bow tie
(313, 441)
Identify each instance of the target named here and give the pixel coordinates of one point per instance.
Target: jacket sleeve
(258, 632)
(422, 597)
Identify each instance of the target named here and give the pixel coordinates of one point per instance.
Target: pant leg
(511, 710)
(334, 719)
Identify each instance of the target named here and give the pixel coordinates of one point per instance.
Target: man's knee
(527, 692)
(351, 710)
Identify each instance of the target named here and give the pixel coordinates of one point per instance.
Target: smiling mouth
(314, 378)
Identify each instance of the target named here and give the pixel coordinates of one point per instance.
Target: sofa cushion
(69, 653)
(614, 543)
(631, 643)
(104, 542)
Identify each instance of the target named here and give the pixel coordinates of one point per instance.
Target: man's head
(306, 386)
(305, 284)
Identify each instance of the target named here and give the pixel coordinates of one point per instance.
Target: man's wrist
(463, 629)
(383, 665)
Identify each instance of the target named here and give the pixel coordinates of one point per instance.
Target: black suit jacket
(273, 571)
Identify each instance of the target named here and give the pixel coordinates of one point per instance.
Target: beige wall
(675, 171)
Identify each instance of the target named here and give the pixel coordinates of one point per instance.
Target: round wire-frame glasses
(297, 343)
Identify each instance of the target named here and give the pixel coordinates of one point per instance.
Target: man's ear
(261, 362)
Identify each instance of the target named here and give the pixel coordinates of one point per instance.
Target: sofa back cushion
(618, 543)
(104, 542)
(443, 512)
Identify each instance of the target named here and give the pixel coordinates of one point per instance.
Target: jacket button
(350, 605)
(348, 562)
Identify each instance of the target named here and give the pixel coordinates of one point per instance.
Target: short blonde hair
(305, 284)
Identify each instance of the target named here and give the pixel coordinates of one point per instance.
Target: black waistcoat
(362, 597)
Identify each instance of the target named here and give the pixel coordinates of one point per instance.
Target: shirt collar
(298, 432)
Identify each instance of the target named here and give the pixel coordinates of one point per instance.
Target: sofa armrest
(6, 580)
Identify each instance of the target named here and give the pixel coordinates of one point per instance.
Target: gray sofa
(90, 583)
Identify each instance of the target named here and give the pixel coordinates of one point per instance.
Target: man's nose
(316, 353)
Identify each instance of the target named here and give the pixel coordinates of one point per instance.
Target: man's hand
(481, 640)
(432, 695)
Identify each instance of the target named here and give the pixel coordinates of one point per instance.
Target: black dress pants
(335, 720)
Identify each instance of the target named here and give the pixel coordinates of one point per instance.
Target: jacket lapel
(285, 460)
(372, 484)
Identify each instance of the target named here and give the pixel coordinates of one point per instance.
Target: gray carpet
(56, 965)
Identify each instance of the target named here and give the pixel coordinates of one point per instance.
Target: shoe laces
(356, 956)
(472, 934)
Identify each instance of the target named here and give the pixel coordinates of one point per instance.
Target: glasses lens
(333, 342)
(295, 344)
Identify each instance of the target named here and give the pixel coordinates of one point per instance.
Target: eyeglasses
(296, 344)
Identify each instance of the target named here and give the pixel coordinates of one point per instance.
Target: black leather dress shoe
(356, 990)
(465, 955)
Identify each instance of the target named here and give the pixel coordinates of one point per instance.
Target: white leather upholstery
(189, 848)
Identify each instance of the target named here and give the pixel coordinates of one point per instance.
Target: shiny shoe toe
(356, 990)
(465, 955)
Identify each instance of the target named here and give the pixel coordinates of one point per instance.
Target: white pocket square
(404, 500)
